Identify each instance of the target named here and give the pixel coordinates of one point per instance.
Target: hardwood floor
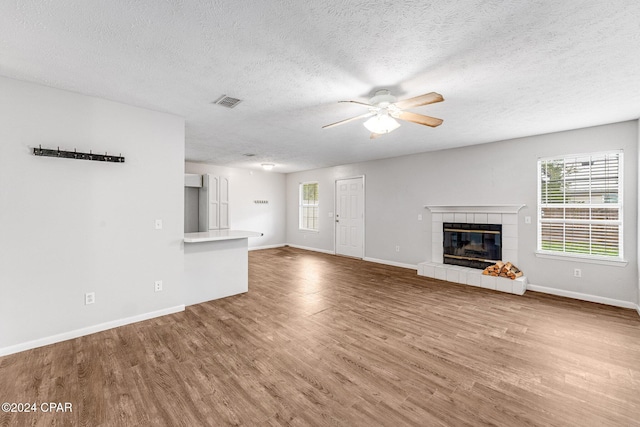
(326, 340)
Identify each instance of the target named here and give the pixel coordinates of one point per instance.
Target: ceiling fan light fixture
(267, 166)
(383, 109)
(382, 98)
(381, 123)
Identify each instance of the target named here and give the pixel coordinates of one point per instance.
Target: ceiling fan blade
(419, 119)
(427, 98)
(341, 122)
(361, 103)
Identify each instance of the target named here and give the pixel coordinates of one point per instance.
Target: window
(309, 206)
(580, 205)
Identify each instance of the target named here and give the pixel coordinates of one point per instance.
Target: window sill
(616, 262)
(308, 230)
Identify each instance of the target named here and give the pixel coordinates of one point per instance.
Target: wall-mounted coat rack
(39, 151)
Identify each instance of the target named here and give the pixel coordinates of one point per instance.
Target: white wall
(498, 173)
(245, 187)
(68, 227)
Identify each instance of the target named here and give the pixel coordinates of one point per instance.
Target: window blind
(580, 205)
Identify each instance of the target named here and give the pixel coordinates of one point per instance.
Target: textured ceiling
(506, 69)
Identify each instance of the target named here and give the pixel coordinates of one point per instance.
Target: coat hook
(75, 154)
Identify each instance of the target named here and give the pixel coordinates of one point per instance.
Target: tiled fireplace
(504, 215)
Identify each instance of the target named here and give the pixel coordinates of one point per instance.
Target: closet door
(214, 202)
(223, 202)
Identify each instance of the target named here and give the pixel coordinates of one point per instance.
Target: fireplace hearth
(472, 245)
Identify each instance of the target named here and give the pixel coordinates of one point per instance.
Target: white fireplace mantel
(498, 209)
(506, 215)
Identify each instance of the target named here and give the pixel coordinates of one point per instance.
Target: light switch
(158, 224)
(330, 214)
(419, 217)
(527, 220)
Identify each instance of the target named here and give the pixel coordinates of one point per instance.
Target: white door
(224, 202)
(214, 203)
(350, 217)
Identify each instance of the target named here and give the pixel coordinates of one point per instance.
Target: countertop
(210, 236)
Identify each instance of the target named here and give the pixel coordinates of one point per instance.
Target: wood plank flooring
(325, 340)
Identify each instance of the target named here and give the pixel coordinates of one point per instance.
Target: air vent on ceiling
(227, 101)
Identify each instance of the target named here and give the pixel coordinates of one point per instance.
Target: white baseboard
(40, 342)
(583, 297)
(376, 260)
(258, 248)
(324, 251)
(393, 263)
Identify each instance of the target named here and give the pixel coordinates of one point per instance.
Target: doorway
(350, 217)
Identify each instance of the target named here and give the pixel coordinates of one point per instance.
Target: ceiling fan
(383, 109)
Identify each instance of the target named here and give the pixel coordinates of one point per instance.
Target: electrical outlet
(397, 248)
(158, 224)
(89, 298)
(158, 285)
(577, 272)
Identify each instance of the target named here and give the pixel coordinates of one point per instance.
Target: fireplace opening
(472, 245)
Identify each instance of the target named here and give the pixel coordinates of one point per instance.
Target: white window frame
(603, 259)
(302, 206)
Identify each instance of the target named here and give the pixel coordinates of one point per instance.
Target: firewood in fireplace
(500, 269)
